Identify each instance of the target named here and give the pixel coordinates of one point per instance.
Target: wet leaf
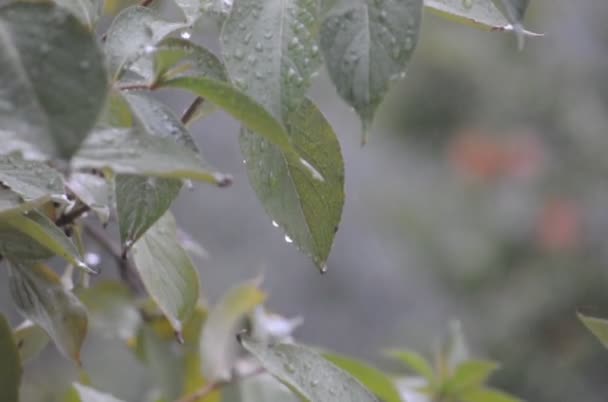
(88, 394)
(131, 151)
(10, 365)
(11, 203)
(306, 206)
(218, 340)
(167, 271)
(414, 361)
(94, 191)
(41, 298)
(264, 388)
(87, 11)
(134, 33)
(31, 340)
(163, 364)
(307, 373)
(366, 44)
(30, 179)
(597, 326)
(271, 51)
(53, 84)
(372, 378)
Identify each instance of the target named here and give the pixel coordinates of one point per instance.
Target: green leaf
(366, 44)
(271, 51)
(30, 179)
(218, 340)
(10, 365)
(307, 373)
(307, 207)
(166, 271)
(372, 378)
(597, 326)
(469, 374)
(414, 361)
(31, 340)
(53, 84)
(11, 203)
(93, 190)
(41, 229)
(41, 298)
(488, 395)
(264, 388)
(240, 106)
(88, 394)
(134, 33)
(87, 11)
(131, 151)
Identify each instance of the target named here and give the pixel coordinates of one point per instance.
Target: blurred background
(482, 196)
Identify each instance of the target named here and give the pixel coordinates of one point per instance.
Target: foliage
(80, 132)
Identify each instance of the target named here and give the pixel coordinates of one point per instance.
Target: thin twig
(133, 87)
(208, 388)
(189, 112)
(71, 216)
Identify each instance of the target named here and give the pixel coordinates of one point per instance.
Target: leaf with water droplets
(366, 43)
(34, 233)
(307, 373)
(30, 179)
(263, 388)
(87, 394)
(167, 271)
(308, 208)
(53, 82)
(271, 46)
(31, 340)
(10, 364)
(134, 33)
(87, 11)
(41, 298)
(515, 11)
(218, 340)
(133, 151)
(93, 190)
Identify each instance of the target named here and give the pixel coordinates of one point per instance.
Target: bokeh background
(482, 196)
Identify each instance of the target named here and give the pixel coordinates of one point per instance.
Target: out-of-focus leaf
(38, 227)
(307, 206)
(413, 389)
(366, 44)
(111, 309)
(162, 362)
(117, 112)
(414, 361)
(218, 340)
(31, 340)
(264, 388)
(88, 394)
(488, 395)
(515, 11)
(87, 11)
(166, 271)
(374, 379)
(133, 33)
(40, 297)
(455, 351)
(93, 190)
(597, 326)
(30, 179)
(307, 373)
(10, 365)
(271, 50)
(53, 81)
(268, 327)
(469, 374)
(11, 203)
(130, 151)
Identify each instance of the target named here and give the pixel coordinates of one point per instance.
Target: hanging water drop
(288, 239)
(467, 4)
(185, 35)
(275, 224)
(323, 269)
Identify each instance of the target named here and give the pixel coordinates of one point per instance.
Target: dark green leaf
(88, 394)
(30, 179)
(374, 379)
(218, 341)
(307, 206)
(166, 271)
(10, 365)
(366, 44)
(415, 362)
(271, 51)
(93, 190)
(307, 373)
(597, 326)
(41, 298)
(53, 81)
(31, 340)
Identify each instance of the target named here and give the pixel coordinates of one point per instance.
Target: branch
(207, 389)
(71, 216)
(189, 112)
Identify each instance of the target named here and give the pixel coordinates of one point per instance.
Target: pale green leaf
(366, 44)
(11, 203)
(87, 11)
(41, 298)
(469, 374)
(134, 33)
(167, 271)
(307, 373)
(264, 388)
(163, 364)
(131, 151)
(488, 395)
(30, 179)
(597, 326)
(414, 361)
(307, 206)
(218, 340)
(53, 82)
(31, 340)
(88, 394)
(271, 50)
(10, 364)
(372, 378)
(93, 190)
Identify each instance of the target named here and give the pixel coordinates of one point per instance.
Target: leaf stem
(134, 87)
(208, 388)
(189, 112)
(71, 216)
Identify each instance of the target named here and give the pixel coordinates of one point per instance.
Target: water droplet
(45, 48)
(149, 49)
(314, 50)
(247, 38)
(314, 383)
(293, 43)
(288, 239)
(92, 259)
(467, 4)
(238, 54)
(314, 172)
(323, 269)
(259, 75)
(259, 47)
(396, 52)
(185, 35)
(290, 367)
(275, 224)
(382, 15)
(408, 44)
(268, 35)
(84, 64)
